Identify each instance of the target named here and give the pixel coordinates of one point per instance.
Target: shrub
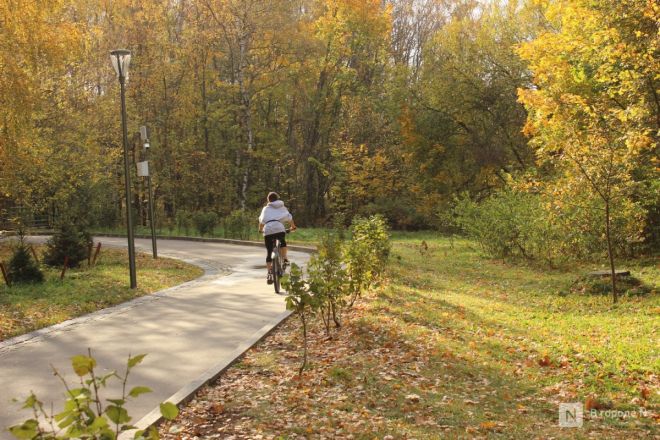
(184, 220)
(512, 224)
(373, 234)
(580, 234)
(300, 300)
(505, 224)
(69, 241)
(360, 267)
(240, 224)
(328, 279)
(205, 222)
(22, 268)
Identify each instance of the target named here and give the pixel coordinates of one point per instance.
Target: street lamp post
(144, 134)
(121, 59)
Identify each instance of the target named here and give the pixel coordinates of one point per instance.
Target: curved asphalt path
(184, 330)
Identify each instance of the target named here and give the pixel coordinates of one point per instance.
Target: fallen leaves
(412, 398)
(545, 361)
(403, 368)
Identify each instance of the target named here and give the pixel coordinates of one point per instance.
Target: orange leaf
(488, 425)
(545, 361)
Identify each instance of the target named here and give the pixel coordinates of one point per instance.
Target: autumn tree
(46, 99)
(594, 110)
(462, 128)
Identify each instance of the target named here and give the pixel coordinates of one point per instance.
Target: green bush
(511, 224)
(240, 224)
(205, 222)
(338, 273)
(507, 224)
(578, 222)
(184, 221)
(373, 234)
(301, 301)
(328, 279)
(69, 241)
(22, 268)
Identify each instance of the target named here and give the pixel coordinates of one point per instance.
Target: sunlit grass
(27, 307)
(523, 324)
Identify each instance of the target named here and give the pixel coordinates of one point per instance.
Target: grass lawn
(24, 308)
(455, 345)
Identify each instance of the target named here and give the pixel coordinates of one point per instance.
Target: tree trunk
(304, 363)
(247, 104)
(610, 254)
(335, 315)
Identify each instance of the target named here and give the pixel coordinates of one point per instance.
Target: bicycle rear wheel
(276, 271)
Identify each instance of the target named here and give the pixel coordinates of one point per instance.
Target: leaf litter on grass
(415, 361)
(369, 381)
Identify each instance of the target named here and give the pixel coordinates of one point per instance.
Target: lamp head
(121, 60)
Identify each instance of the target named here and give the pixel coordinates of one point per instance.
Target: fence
(11, 217)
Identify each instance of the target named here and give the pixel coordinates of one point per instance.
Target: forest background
(531, 125)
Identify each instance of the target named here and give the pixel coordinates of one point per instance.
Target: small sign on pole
(144, 133)
(143, 169)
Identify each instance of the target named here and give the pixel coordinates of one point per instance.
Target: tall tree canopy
(344, 106)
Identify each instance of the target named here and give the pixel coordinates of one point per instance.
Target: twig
(66, 264)
(34, 254)
(96, 254)
(4, 274)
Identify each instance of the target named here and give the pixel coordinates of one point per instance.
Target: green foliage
(205, 222)
(338, 273)
(85, 415)
(184, 220)
(516, 224)
(328, 279)
(22, 268)
(300, 300)
(506, 225)
(69, 241)
(240, 224)
(373, 234)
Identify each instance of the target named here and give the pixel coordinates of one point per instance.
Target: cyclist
(271, 223)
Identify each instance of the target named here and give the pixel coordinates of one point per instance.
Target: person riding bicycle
(271, 223)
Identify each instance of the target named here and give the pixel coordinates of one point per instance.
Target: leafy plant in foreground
(84, 414)
(328, 280)
(301, 301)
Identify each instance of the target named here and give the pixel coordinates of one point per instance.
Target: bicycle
(279, 267)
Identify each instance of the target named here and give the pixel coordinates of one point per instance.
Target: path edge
(293, 247)
(188, 391)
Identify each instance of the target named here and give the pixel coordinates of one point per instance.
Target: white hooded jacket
(273, 217)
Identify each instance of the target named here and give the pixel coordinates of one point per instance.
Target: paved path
(185, 330)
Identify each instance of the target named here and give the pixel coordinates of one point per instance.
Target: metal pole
(154, 248)
(127, 183)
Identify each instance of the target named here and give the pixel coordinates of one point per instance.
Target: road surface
(184, 330)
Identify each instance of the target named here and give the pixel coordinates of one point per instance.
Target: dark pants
(270, 244)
